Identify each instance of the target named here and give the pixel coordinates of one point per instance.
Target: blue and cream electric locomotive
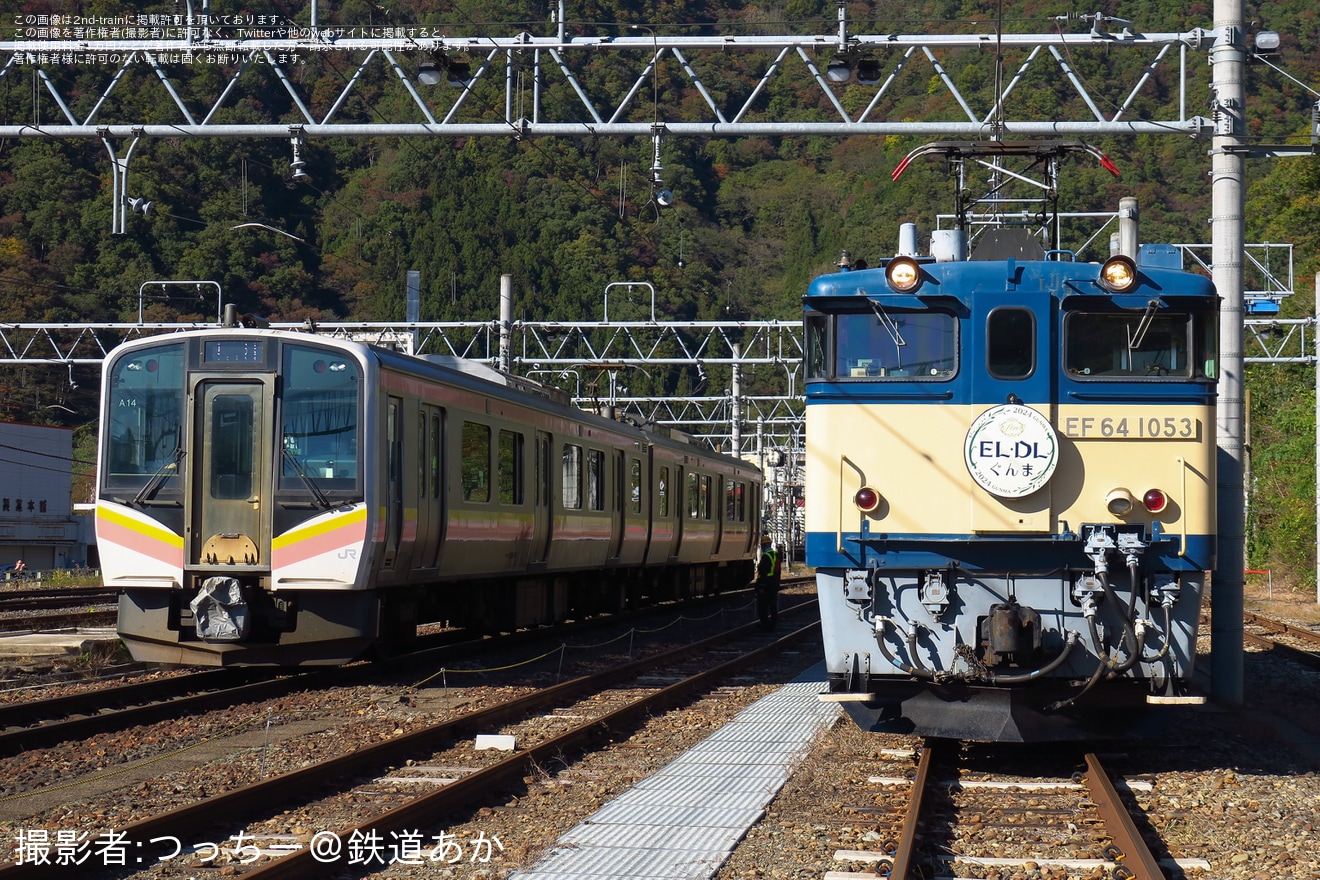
(1010, 483)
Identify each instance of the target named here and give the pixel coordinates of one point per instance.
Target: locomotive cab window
(1140, 345)
(1010, 343)
(895, 344)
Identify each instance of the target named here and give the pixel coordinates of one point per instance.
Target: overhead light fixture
(867, 70)
(428, 73)
(839, 70)
(459, 71)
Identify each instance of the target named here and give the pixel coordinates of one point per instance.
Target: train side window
(731, 501)
(1205, 342)
(511, 467)
(662, 492)
(1010, 343)
(635, 485)
(595, 479)
(817, 333)
(476, 462)
(706, 506)
(572, 477)
(895, 344)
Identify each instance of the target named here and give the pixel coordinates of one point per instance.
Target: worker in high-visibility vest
(767, 585)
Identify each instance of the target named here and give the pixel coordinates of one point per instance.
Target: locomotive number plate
(1135, 427)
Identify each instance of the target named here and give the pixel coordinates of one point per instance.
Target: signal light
(1155, 500)
(866, 499)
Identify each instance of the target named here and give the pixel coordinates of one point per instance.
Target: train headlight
(903, 274)
(1118, 274)
(1155, 500)
(866, 499)
(1120, 502)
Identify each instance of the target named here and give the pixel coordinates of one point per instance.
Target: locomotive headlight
(866, 499)
(1118, 274)
(1120, 502)
(1155, 500)
(903, 274)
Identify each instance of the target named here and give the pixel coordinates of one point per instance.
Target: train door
(430, 479)
(620, 527)
(1017, 362)
(394, 480)
(542, 520)
(229, 519)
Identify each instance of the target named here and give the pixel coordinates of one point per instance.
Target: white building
(37, 523)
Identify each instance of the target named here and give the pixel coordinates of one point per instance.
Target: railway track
(56, 597)
(41, 724)
(585, 711)
(1296, 643)
(57, 608)
(950, 817)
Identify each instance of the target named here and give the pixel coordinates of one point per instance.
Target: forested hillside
(755, 219)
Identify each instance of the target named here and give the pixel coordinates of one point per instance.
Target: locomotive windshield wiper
(1135, 339)
(888, 323)
(159, 477)
(311, 485)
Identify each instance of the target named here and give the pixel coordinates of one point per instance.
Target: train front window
(144, 415)
(321, 418)
(895, 344)
(1010, 341)
(229, 424)
(1139, 345)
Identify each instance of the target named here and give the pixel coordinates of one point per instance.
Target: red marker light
(866, 499)
(318, 366)
(152, 366)
(1155, 500)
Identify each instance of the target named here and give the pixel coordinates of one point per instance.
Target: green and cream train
(287, 498)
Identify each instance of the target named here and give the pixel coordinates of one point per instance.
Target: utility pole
(1228, 61)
